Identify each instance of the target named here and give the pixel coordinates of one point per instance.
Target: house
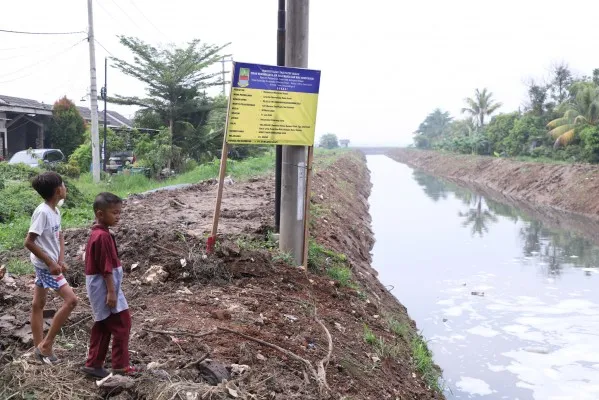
(24, 124)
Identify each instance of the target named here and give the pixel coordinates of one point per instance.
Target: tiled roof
(115, 120)
(8, 102)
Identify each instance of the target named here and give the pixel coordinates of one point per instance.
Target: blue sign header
(285, 79)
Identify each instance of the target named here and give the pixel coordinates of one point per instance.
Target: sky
(385, 64)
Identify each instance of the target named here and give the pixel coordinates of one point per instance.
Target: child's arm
(110, 291)
(63, 266)
(41, 254)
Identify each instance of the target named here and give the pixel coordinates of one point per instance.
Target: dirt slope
(246, 287)
(567, 187)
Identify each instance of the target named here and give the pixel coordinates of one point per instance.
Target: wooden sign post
(269, 105)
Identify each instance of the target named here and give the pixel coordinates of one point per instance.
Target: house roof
(21, 105)
(115, 120)
(28, 106)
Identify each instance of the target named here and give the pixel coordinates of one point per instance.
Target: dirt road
(278, 331)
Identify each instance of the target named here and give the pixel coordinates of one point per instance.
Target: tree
(582, 111)
(480, 106)
(329, 141)
(174, 78)
(499, 128)
(537, 98)
(435, 125)
(560, 82)
(67, 126)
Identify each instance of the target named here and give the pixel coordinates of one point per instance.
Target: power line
(40, 33)
(127, 15)
(147, 19)
(38, 63)
(105, 49)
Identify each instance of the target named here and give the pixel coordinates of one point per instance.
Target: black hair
(106, 200)
(46, 184)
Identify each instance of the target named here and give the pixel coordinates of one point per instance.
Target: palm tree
(478, 218)
(480, 106)
(582, 110)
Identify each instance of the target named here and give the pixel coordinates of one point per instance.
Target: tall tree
(537, 98)
(561, 79)
(435, 125)
(67, 126)
(329, 141)
(480, 106)
(174, 77)
(582, 111)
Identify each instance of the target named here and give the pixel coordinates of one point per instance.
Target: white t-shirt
(45, 222)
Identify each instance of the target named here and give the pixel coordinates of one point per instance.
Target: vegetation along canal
(508, 303)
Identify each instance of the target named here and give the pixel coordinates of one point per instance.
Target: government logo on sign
(244, 77)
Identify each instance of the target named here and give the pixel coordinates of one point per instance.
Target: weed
(284, 257)
(369, 336)
(424, 364)
(384, 350)
(342, 275)
(16, 266)
(399, 329)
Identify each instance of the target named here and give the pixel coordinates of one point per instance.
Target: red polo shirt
(101, 255)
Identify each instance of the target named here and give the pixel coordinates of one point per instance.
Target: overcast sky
(385, 63)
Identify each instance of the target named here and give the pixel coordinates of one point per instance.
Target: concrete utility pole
(293, 174)
(93, 95)
(279, 148)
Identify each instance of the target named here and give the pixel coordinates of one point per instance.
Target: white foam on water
(483, 331)
(474, 386)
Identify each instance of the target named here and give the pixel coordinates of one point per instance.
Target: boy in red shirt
(103, 279)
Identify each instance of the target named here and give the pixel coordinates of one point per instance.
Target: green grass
(540, 160)
(424, 364)
(19, 200)
(335, 265)
(399, 329)
(342, 275)
(19, 267)
(369, 336)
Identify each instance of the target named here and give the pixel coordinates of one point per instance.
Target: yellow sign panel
(272, 105)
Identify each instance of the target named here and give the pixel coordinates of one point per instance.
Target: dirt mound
(274, 331)
(566, 187)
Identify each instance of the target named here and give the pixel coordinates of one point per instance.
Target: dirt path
(246, 287)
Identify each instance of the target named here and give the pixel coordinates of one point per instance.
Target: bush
(17, 172)
(82, 157)
(589, 137)
(17, 199)
(68, 170)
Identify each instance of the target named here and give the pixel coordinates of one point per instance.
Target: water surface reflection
(508, 302)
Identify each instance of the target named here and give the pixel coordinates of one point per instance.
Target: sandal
(95, 372)
(127, 371)
(48, 360)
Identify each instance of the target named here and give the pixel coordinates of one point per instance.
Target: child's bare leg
(69, 303)
(37, 314)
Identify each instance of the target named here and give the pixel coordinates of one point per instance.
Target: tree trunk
(170, 143)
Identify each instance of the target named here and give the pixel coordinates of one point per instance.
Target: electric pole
(223, 61)
(104, 95)
(293, 176)
(279, 148)
(93, 96)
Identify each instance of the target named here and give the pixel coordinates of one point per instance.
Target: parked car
(118, 160)
(33, 157)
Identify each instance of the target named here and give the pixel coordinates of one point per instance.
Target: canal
(510, 306)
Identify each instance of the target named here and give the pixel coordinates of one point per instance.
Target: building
(24, 124)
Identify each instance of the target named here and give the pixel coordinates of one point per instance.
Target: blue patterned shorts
(45, 280)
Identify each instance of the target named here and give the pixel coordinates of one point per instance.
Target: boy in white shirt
(46, 244)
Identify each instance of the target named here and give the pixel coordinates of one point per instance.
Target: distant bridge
(374, 150)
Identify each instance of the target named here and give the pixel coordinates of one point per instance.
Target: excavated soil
(245, 286)
(567, 187)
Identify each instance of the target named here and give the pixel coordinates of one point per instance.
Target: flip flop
(95, 372)
(127, 371)
(48, 360)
